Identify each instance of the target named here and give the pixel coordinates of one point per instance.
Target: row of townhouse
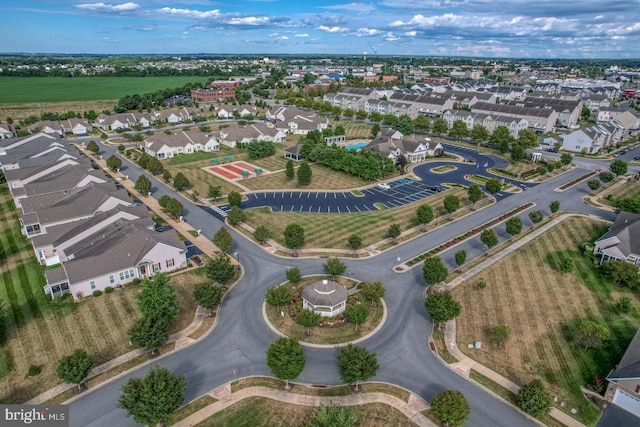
(230, 111)
(568, 110)
(81, 224)
(542, 120)
(74, 126)
(293, 120)
(594, 138)
(489, 121)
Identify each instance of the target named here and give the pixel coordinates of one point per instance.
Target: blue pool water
(356, 146)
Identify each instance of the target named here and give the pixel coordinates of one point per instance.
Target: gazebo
(326, 298)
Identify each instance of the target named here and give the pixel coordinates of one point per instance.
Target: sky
(476, 28)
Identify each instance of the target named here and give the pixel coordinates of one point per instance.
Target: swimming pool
(356, 146)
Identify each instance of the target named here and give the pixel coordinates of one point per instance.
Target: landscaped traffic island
(325, 310)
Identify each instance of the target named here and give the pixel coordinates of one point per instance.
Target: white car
(384, 186)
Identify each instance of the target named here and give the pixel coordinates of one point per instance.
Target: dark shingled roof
(326, 293)
(629, 366)
(614, 415)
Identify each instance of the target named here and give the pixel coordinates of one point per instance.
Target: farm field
(543, 306)
(41, 332)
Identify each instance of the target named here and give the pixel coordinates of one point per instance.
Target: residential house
(76, 126)
(18, 178)
(392, 145)
(124, 121)
(293, 120)
(164, 146)
(12, 143)
(630, 120)
(233, 136)
(539, 119)
(568, 111)
(114, 256)
(590, 139)
(7, 131)
(174, 115)
(46, 126)
(38, 153)
(230, 111)
(621, 242)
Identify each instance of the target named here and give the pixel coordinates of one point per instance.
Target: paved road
(238, 342)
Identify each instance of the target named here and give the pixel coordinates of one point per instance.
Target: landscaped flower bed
(577, 180)
(468, 234)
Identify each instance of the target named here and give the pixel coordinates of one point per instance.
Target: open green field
(543, 306)
(20, 90)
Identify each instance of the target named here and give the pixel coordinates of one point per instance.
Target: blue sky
(484, 28)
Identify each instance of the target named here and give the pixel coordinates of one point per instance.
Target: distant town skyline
(475, 28)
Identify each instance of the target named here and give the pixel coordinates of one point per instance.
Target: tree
(502, 137)
(308, 319)
(220, 269)
(628, 204)
(222, 239)
(475, 194)
(434, 271)
(489, 238)
(294, 236)
(234, 198)
(163, 201)
(174, 207)
(334, 267)
(422, 123)
(517, 153)
(151, 399)
(554, 206)
(373, 291)
(536, 216)
(93, 147)
(374, 130)
(74, 368)
(332, 415)
(393, 232)
(304, 174)
(4, 321)
(534, 398)
(354, 242)
(293, 275)
(606, 176)
(403, 124)
(622, 273)
(594, 184)
(285, 358)
(451, 407)
(357, 314)
(277, 296)
(592, 334)
(166, 175)
(150, 332)
(236, 216)
(440, 126)
(514, 226)
(451, 204)
(566, 265)
(180, 182)
(356, 364)
(441, 306)
(121, 148)
(500, 334)
(618, 167)
(155, 166)
(624, 305)
(566, 159)
(143, 185)
(289, 171)
(461, 257)
(208, 295)
(260, 149)
(424, 215)
(527, 138)
(262, 234)
(479, 133)
(114, 162)
(459, 129)
(158, 298)
(493, 185)
(214, 192)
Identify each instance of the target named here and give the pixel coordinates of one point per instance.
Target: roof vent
(325, 281)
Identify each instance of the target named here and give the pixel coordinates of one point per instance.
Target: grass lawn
(41, 332)
(625, 190)
(543, 306)
(353, 130)
(259, 411)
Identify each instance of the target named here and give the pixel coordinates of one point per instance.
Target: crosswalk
(222, 211)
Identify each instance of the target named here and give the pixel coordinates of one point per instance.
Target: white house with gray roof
(165, 146)
(622, 241)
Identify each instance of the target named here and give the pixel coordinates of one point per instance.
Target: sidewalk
(225, 399)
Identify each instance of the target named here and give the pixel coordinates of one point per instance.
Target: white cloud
(356, 7)
(366, 32)
(411, 33)
(249, 20)
(335, 29)
(390, 37)
(102, 7)
(188, 13)
(302, 35)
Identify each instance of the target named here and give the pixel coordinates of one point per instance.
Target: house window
(170, 263)
(156, 267)
(112, 279)
(127, 274)
(92, 284)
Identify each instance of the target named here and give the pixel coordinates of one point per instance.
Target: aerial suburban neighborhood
(365, 237)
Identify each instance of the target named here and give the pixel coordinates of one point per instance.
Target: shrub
(108, 290)
(624, 305)
(97, 293)
(135, 281)
(33, 370)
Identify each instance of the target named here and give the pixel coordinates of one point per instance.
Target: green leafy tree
(373, 291)
(566, 159)
(440, 126)
(592, 334)
(294, 236)
(143, 185)
(374, 130)
(618, 167)
(422, 123)
(180, 182)
(93, 147)
(262, 234)
(536, 216)
(424, 215)
(357, 314)
(220, 270)
(628, 204)
(527, 138)
(434, 271)
(121, 148)
(479, 133)
(354, 242)
(158, 298)
(500, 334)
(554, 206)
(393, 232)
(260, 149)
(514, 225)
(606, 176)
(174, 207)
(155, 166)
(566, 265)
(517, 153)
(451, 407)
(356, 364)
(149, 332)
(163, 201)
(534, 398)
(74, 368)
(461, 257)
(222, 239)
(624, 305)
(451, 204)
(442, 306)
(304, 174)
(334, 267)
(594, 184)
(285, 358)
(151, 399)
(475, 194)
(234, 198)
(277, 296)
(459, 129)
(214, 192)
(166, 175)
(493, 185)
(622, 273)
(236, 216)
(502, 137)
(114, 162)
(208, 295)
(332, 415)
(308, 319)
(293, 275)
(403, 124)
(289, 171)
(489, 238)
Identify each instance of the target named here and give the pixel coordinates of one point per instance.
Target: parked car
(384, 186)
(622, 152)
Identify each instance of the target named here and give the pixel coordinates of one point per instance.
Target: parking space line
(317, 195)
(335, 196)
(338, 207)
(319, 209)
(300, 208)
(358, 208)
(366, 207)
(348, 208)
(309, 208)
(291, 210)
(325, 196)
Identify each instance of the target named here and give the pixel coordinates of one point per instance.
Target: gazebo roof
(325, 293)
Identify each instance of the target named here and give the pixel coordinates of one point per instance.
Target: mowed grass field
(41, 332)
(543, 306)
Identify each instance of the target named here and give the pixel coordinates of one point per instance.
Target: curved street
(236, 346)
